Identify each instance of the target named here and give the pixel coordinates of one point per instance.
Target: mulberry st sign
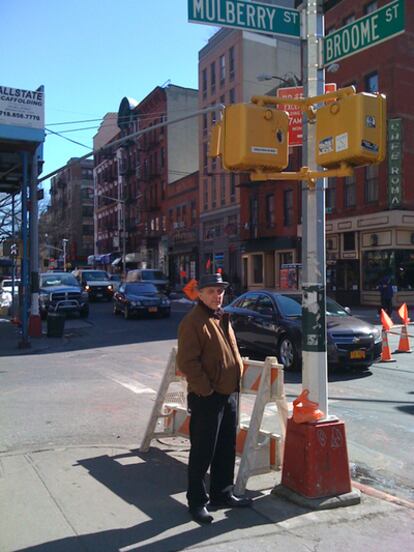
(378, 26)
(254, 16)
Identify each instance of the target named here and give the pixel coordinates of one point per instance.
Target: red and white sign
(295, 112)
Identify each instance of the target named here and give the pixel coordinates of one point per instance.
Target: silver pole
(315, 371)
(64, 242)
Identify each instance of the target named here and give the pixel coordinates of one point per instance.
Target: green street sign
(378, 26)
(241, 14)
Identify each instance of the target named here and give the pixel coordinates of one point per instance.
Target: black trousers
(213, 430)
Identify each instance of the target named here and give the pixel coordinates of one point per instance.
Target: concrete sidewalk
(102, 498)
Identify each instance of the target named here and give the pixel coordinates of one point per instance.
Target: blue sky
(89, 54)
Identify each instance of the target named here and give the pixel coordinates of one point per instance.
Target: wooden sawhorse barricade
(260, 450)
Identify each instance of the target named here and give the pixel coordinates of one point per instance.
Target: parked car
(139, 298)
(95, 282)
(61, 292)
(270, 323)
(150, 276)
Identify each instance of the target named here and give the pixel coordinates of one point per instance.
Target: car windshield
(152, 275)
(115, 277)
(137, 289)
(8, 283)
(95, 275)
(48, 280)
(333, 309)
(291, 306)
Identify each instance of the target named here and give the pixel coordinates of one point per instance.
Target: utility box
(253, 137)
(351, 130)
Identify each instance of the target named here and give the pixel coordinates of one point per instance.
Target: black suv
(95, 282)
(61, 292)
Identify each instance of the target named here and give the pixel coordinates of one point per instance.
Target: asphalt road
(98, 384)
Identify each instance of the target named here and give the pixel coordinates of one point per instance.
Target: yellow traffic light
(252, 137)
(351, 130)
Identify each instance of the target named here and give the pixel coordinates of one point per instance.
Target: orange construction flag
(190, 290)
(386, 321)
(403, 313)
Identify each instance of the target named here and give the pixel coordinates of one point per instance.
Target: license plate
(99, 295)
(152, 309)
(357, 354)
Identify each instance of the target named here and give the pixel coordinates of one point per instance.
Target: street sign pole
(314, 355)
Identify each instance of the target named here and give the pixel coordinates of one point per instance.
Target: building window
(349, 19)
(349, 241)
(193, 213)
(270, 210)
(331, 195)
(288, 207)
(371, 7)
(205, 157)
(371, 83)
(205, 194)
(257, 261)
(204, 125)
(213, 78)
(231, 63)
(232, 187)
(222, 70)
(371, 183)
(204, 82)
(232, 96)
(213, 192)
(349, 191)
(223, 189)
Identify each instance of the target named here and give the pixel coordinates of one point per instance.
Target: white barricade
(260, 450)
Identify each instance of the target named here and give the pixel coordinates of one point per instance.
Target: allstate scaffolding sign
(22, 114)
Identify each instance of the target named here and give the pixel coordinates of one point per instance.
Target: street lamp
(265, 77)
(122, 202)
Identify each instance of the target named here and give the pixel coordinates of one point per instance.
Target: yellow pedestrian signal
(252, 137)
(351, 130)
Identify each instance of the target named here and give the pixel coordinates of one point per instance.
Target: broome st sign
(378, 26)
(264, 18)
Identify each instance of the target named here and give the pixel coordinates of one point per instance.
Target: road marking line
(134, 386)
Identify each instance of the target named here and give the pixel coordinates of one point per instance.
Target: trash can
(55, 324)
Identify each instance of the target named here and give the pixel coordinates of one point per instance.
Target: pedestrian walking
(386, 292)
(209, 358)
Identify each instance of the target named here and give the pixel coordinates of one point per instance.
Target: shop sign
(394, 146)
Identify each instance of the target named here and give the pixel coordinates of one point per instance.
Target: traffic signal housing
(251, 137)
(351, 130)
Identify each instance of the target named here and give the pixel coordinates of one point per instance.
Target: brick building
(228, 69)
(370, 221)
(70, 214)
(370, 217)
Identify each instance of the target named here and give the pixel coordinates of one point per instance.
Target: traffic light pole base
(35, 326)
(325, 503)
(315, 465)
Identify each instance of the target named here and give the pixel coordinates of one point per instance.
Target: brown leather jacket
(207, 353)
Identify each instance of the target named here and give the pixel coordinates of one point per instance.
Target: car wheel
(115, 310)
(287, 353)
(127, 314)
(84, 313)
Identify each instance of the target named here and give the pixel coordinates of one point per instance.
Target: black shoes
(201, 515)
(230, 501)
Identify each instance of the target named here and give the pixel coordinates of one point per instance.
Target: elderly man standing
(209, 358)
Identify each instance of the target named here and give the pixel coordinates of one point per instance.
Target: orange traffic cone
(386, 353)
(404, 344)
